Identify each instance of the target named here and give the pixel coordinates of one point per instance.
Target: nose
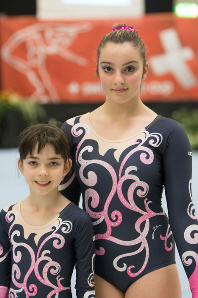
(119, 78)
(43, 171)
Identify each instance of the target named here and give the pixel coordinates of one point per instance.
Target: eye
(130, 68)
(54, 163)
(107, 68)
(32, 163)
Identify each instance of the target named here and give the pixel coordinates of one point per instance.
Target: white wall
(185, 1)
(56, 9)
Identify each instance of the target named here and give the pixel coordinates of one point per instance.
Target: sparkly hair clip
(125, 28)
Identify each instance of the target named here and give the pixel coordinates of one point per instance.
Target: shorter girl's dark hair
(43, 134)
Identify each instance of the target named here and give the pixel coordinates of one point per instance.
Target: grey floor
(13, 189)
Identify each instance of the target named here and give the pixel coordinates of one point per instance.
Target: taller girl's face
(121, 72)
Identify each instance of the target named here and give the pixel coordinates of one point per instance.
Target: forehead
(49, 149)
(125, 51)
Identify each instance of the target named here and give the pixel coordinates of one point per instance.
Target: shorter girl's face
(45, 170)
(121, 72)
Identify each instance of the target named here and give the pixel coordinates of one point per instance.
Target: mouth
(121, 90)
(43, 183)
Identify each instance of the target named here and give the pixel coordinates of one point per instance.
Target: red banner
(55, 61)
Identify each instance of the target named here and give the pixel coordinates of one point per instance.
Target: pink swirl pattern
(166, 237)
(11, 216)
(76, 132)
(50, 267)
(140, 188)
(187, 258)
(1, 253)
(116, 216)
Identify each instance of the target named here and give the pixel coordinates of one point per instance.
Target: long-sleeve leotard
(38, 261)
(122, 184)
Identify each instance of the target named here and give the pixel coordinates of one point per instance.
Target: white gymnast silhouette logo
(42, 40)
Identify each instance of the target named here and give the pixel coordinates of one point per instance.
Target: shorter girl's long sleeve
(85, 254)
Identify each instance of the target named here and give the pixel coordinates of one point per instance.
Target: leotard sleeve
(182, 216)
(70, 187)
(5, 258)
(85, 253)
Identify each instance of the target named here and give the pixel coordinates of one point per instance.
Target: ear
(145, 71)
(68, 165)
(20, 165)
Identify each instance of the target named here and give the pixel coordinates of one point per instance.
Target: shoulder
(8, 215)
(79, 213)
(167, 127)
(173, 127)
(73, 120)
(169, 123)
(10, 207)
(68, 124)
(81, 219)
(174, 135)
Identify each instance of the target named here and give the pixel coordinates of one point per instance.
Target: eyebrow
(133, 61)
(36, 158)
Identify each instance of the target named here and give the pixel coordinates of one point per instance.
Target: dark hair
(122, 36)
(43, 134)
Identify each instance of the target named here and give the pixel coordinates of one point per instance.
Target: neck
(42, 202)
(123, 110)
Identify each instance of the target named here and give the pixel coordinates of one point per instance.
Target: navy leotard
(37, 261)
(122, 184)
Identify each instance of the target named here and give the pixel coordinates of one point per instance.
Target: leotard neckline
(122, 140)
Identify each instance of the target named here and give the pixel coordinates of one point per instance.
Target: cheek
(59, 175)
(135, 80)
(105, 82)
(28, 177)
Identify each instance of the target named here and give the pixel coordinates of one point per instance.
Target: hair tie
(125, 27)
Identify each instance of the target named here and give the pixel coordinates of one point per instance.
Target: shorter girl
(45, 235)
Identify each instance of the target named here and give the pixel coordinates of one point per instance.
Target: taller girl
(124, 155)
